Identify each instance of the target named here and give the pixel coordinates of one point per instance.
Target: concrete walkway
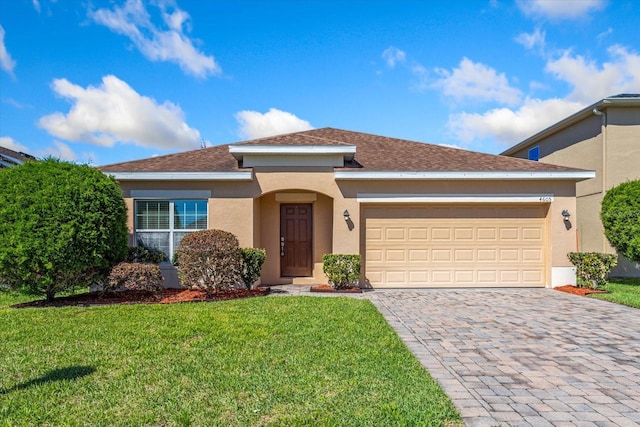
(522, 357)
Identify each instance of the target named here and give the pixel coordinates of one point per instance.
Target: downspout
(603, 126)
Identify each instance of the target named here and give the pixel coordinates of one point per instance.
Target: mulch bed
(570, 289)
(168, 296)
(329, 289)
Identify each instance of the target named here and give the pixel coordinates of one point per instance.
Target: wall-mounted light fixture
(565, 215)
(345, 214)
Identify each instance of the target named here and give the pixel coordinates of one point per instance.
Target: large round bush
(210, 260)
(620, 217)
(61, 225)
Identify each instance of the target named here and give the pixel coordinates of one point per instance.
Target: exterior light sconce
(565, 215)
(345, 214)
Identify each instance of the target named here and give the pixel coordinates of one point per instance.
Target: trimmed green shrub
(341, 270)
(210, 260)
(592, 268)
(620, 215)
(252, 260)
(134, 276)
(145, 255)
(61, 225)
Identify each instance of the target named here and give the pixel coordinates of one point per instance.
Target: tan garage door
(455, 246)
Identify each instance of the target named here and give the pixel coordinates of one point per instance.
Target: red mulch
(570, 289)
(168, 296)
(329, 289)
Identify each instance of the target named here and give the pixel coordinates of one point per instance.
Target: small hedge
(210, 260)
(252, 260)
(592, 267)
(341, 270)
(134, 276)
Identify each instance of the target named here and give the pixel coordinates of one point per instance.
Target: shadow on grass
(69, 373)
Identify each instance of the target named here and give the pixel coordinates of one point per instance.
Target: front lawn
(262, 361)
(622, 291)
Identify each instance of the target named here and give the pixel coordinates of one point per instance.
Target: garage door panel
(487, 255)
(509, 233)
(418, 233)
(418, 255)
(441, 234)
(395, 234)
(441, 255)
(507, 255)
(462, 234)
(532, 255)
(395, 255)
(464, 255)
(448, 247)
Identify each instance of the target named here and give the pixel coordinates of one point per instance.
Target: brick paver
(528, 357)
(521, 357)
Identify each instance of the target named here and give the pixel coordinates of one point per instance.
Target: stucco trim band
(455, 198)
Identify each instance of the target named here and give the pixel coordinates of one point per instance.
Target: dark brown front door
(295, 240)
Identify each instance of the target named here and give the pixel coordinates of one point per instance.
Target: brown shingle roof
(11, 158)
(374, 153)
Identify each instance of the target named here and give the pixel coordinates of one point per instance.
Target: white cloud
(60, 150)
(559, 9)
(511, 126)
(533, 40)
(392, 55)
(36, 5)
(158, 44)
(590, 81)
(274, 122)
(6, 62)
(476, 81)
(12, 144)
(114, 112)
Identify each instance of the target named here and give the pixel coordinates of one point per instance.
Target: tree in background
(620, 215)
(61, 225)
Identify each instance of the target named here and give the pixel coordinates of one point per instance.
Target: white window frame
(171, 230)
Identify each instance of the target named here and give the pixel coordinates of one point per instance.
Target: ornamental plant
(210, 260)
(592, 267)
(135, 276)
(252, 261)
(61, 225)
(620, 215)
(145, 255)
(341, 270)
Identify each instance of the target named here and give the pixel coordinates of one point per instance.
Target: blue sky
(111, 81)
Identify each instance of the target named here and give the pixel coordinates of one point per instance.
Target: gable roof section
(621, 100)
(376, 157)
(10, 158)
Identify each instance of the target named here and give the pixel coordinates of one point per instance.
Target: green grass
(288, 361)
(624, 291)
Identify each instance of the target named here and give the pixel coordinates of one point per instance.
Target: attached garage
(426, 246)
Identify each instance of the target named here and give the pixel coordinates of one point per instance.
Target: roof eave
(182, 176)
(466, 175)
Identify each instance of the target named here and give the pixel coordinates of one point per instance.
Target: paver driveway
(524, 356)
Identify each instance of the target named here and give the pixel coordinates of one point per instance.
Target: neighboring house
(9, 158)
(604, 137)
(420, 215)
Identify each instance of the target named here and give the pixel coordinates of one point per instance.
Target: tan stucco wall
(250, 210)
(581, 146)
